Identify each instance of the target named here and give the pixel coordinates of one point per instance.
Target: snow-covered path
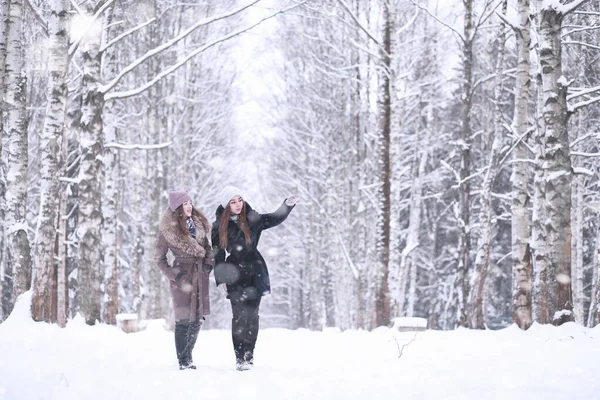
(40, 361)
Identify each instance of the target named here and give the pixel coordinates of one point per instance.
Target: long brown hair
(242, 223)
(182, 219)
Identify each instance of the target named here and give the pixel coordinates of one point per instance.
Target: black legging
(244, 324)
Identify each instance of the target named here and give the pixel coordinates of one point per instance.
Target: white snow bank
(43, 361)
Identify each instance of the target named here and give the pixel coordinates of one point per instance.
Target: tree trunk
(4, 300)
(382, 296)
(89, 229)
(464, 186)
(62, 284)
(539, 250)
(578, 245)
(594, 312)
(43, 299)
(17, 257)
(110, 212)
(414, 227)
(482, 260)
(557, 163)
(520, 227)
(110, 203)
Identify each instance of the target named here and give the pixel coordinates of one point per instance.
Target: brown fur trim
(170, 230)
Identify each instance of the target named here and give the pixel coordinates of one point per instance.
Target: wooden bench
(409, 324)
(128, 323)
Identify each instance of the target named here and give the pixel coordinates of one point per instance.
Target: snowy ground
(42, 361)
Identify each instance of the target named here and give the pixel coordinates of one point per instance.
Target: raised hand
(292, 200)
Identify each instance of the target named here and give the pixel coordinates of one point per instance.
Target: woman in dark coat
(184, 231)
(241, 268)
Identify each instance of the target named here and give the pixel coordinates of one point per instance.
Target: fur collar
(169, 229)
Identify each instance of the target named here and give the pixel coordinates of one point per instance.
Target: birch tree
(382, 301)
(463, 213)
(44, 295)
(520, 215)
(556, 162)
(89, 229)
(18, 257)
(482, 260)
(4, 6)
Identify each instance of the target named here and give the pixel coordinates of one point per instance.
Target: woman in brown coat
(185, 231)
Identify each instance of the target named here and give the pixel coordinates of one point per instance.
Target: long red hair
(224, 222)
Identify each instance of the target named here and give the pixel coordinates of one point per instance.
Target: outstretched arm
(277, 217)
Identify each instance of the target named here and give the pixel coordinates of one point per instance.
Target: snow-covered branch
(357, 20)
(439, 20)
(175, 40)
(125, 34)
(485, 17)
(583, 92)
(38, 17)
(581, 139)
(409, 23)
(583, 154)
(582, 171)
(566, 9)
(491, 76)
(581, 104)
(578, 43)
(581, 29)
(173, 68)
(122, 146)
(508, 22)
(91, 23)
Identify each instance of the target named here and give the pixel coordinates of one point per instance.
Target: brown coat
(190, 294)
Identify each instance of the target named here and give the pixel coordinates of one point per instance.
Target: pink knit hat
(177, 198)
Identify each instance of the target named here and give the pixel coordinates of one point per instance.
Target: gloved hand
(179, 275)
(223, 288)
(292, 200)
(207, 268)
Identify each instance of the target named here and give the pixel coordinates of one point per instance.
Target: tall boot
(237, 331)
(252, 335)
(181, 343)
(193, 331)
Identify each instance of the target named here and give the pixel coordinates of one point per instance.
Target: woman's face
(187, 208)
(236, 204)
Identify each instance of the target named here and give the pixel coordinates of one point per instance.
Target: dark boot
(181, 343)
(193, 331)
(253, 326)
(237, 330)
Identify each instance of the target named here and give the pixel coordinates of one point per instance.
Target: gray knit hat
(177, 198)
(228, 193)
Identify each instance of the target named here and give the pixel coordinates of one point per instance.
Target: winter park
(300, 199)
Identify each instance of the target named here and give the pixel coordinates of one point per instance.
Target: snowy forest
(446, 154)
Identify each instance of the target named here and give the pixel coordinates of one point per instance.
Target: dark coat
(190, 293)
(245, 270)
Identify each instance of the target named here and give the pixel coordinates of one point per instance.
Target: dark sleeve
(209, 259)
(218, 253)
(160, 258)
(273, 219)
